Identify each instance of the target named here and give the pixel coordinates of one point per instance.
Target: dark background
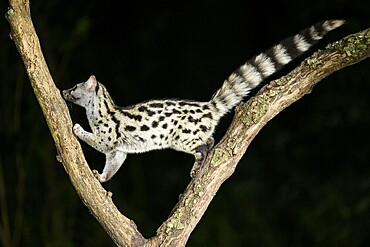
(305, 180)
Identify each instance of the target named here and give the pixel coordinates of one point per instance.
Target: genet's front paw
(99, 176)
(78, 130)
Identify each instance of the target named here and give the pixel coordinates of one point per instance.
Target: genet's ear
(91, 84)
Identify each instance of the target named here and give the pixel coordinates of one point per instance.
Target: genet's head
(83, 93)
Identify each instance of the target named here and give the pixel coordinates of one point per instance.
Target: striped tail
(255, 70)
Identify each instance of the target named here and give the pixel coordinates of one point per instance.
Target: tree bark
(122, 230)
(221, 161)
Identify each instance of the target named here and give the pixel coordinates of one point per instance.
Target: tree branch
(122, 230)
(222, 160)
(248, 121)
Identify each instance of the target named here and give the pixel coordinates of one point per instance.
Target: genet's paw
(78, 130)
(98, 176)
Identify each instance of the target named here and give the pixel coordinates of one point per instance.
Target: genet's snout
(66, 94)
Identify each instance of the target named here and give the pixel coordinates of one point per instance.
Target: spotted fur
(183, 125)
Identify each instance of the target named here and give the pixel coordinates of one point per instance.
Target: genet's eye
(74, 95)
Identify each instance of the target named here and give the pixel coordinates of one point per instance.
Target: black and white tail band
(258, 68)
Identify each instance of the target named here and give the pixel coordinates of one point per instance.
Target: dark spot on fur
(215, 105)
(130, 128)
(145, 109)
(183, 103)
(117, 122)
(154, 124)
(193, 120)
(203, 128)
(144, 128)
(139, 138)
(186, 131)
(175, 111)
(156, 105)
(150, 113)
(170, 103)
(131, 116)
(142, 108)
(208, 115)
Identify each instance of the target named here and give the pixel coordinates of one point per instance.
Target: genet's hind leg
(113, 162)
(210, 143)
(201, 155)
